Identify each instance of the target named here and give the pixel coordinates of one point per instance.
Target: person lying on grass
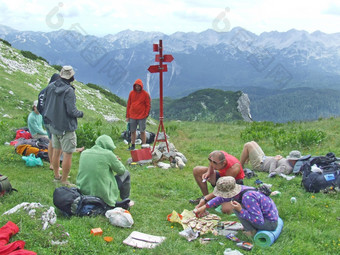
(255, 210)
(253, 154)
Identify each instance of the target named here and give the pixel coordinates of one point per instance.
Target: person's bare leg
(198, 171)
(66, 166)
(245, 154)
(56, 162)
(133, 137)
(143, 137)
(50, 153)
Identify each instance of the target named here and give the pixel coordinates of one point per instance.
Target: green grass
(310, 225)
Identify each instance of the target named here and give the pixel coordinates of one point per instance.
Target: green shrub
(283, 136)
(87, 133)
(259, 130)
(57, 67)
(5, 42)
(32, 56)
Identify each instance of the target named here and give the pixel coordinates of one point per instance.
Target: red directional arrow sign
(166, 58)
(157, 68)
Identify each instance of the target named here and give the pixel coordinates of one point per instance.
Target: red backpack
(23, 133)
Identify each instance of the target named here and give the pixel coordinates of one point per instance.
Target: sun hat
(226, 187)
(294, 155)
(67, 72)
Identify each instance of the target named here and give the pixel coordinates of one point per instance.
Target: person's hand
(205, 176)
(278, 157)
(118, 158)
(200, 204)
(127, 119)
(236, 205)
(200, 211)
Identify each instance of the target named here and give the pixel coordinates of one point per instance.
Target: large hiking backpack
(71, 202)
(150, 136)
(63, 198)
(90, 206)
(5, 185)
(328, 176)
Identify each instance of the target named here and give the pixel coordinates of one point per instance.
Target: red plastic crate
(142, 154)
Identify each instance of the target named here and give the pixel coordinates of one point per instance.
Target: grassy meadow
(311, 226)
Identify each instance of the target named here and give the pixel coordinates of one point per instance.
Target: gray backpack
(5, 185)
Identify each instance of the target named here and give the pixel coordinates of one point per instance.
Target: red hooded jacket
(139, 103)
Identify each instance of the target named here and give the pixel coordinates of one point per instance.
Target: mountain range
(275, 69)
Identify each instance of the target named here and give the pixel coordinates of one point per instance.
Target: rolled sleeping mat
(266, 238)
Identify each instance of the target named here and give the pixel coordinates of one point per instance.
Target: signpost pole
(160, 68)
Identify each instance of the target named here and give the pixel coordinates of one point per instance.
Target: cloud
(192, 16)
(333, 9)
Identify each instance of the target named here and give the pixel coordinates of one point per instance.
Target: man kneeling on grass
(97, 172)
(255, 210)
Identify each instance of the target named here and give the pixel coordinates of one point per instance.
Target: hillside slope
(21, 80)
(205, 105)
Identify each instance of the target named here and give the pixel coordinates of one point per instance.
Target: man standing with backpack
(61, 113)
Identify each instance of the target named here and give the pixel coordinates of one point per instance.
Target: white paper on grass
(141, 240)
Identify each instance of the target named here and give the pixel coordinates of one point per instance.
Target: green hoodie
(97, 168)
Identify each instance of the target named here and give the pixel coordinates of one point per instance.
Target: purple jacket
(255, 206)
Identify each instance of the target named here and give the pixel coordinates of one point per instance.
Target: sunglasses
(213, 161)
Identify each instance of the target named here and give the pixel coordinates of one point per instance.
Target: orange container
(96, 231)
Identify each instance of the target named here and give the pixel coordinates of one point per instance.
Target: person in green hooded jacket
(102, 174)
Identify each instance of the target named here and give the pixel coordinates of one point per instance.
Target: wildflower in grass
(313, 196)
(172, 226)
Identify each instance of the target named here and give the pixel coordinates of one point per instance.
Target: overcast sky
(102, 17)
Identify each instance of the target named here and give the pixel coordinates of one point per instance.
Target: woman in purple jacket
(255, 210)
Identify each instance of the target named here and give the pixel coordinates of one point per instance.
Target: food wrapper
(203, 225)
(175, 217)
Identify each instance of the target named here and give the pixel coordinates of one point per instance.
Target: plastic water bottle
(275, 193)
(293, 200)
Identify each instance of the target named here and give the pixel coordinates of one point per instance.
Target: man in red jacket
(137, 111)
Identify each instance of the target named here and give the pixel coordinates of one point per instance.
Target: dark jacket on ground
(60, 110)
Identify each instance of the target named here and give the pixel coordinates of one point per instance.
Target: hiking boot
(195, 201)
(131, 148)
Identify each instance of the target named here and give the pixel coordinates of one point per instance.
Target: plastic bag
(31, 160)
(119, 217)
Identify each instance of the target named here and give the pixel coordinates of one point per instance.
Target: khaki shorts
(67, 142)
(135, 122)
(256, 156)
